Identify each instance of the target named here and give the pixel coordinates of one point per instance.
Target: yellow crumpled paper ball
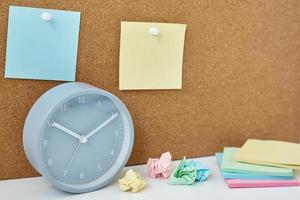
(132, 182)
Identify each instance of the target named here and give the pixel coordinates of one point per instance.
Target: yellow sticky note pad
(149, 61)
(270, 152)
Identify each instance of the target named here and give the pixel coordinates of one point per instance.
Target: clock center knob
(83, 139)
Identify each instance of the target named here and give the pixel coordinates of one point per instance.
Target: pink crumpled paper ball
(161, 167)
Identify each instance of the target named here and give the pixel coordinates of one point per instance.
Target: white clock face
(82, 139)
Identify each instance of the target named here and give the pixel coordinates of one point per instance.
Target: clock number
(65, 172)
(112, 152)
(112, 113)
(99, 168)
(81, 99)
(116, 133)
(63, 108)
(81, 175)
(49, 123)
(45, 142)
(99, 103)
(50, 162)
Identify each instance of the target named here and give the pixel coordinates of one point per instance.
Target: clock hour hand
(66, 130)
(101, 126)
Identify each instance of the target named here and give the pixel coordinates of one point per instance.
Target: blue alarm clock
(78, 136)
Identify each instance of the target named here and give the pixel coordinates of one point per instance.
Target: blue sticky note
(233, 175)
(40, 49)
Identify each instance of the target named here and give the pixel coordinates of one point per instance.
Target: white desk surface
(213, 189)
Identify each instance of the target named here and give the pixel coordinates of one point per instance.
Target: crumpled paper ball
(132, 182)
(161, 167)
(188, 172)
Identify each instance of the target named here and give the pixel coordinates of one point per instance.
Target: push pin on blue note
(46, 16)
(154, 31)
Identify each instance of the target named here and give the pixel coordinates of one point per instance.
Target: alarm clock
(78, 136)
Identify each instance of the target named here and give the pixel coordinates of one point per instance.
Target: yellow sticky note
(151, 61)
(270, 152)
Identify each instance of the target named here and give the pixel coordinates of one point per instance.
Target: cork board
(241, 76)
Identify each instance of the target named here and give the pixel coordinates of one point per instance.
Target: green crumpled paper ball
(188, 172)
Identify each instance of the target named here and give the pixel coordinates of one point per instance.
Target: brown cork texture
(241, 76)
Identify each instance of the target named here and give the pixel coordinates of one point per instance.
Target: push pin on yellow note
(46, 16)
(154, 31)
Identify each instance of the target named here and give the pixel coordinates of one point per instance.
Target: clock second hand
(83, 139)
(72, 158)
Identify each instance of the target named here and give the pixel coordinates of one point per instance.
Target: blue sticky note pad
(39, 49)
(233, 175)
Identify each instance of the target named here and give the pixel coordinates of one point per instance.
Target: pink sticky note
(253, 183)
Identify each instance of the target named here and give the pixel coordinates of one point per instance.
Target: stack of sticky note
(260, 163)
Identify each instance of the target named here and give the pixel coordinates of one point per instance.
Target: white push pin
(46, 16)
(154, 31)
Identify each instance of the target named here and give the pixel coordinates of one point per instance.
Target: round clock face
(82, 139)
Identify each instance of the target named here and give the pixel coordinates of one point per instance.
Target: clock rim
(119, 163)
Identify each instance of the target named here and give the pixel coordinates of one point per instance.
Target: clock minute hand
(66, 130)
(101, 126)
